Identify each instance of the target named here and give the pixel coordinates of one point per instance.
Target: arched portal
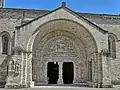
(62, 41)
(58, 49)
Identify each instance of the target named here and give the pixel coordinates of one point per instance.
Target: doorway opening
(68, 72)
(52, 72)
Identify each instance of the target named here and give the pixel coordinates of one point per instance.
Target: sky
(83, 6)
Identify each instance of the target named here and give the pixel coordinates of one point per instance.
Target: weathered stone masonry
(58, 36)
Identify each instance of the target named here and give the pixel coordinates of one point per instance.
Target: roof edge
(88, 21)
(23, 9)
(99, 14)
(70, 11)
(37, 18)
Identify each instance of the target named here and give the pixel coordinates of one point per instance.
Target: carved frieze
(59, 47)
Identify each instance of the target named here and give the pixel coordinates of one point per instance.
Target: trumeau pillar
(60, 80)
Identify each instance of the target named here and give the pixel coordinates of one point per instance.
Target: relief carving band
(60, 47)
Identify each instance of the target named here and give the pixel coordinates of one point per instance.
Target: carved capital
(105, 52)
(17, 50)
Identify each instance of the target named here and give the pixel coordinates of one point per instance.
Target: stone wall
(9, 19)
(115, 66)
(110, 23)
(61, 23)
(115, 62)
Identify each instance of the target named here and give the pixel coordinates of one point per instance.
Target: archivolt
(73, 27)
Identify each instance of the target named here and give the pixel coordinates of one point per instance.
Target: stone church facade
(73, 48)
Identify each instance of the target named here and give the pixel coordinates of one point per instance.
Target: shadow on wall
(4, 71)
(116, 82)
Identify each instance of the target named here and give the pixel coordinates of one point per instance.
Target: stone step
(73, 85)
(67, 88)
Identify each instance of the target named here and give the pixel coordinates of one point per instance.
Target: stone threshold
(73, 85)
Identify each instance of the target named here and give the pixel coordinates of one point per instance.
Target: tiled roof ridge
(21, 9)
(103, 16)
(99, 14)
(89, 15)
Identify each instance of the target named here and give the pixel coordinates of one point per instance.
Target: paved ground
(64, 88)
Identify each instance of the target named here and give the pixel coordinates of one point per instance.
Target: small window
(5, 44)
(109, 48)
(112, 46)
(113, 49)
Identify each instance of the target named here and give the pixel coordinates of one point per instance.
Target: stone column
(30, 83)
(105, 61)
(96, 70)
(99, 70)
(24, 68)
(60, 80)
(45, 80)
(0, 45)
(75, 80)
